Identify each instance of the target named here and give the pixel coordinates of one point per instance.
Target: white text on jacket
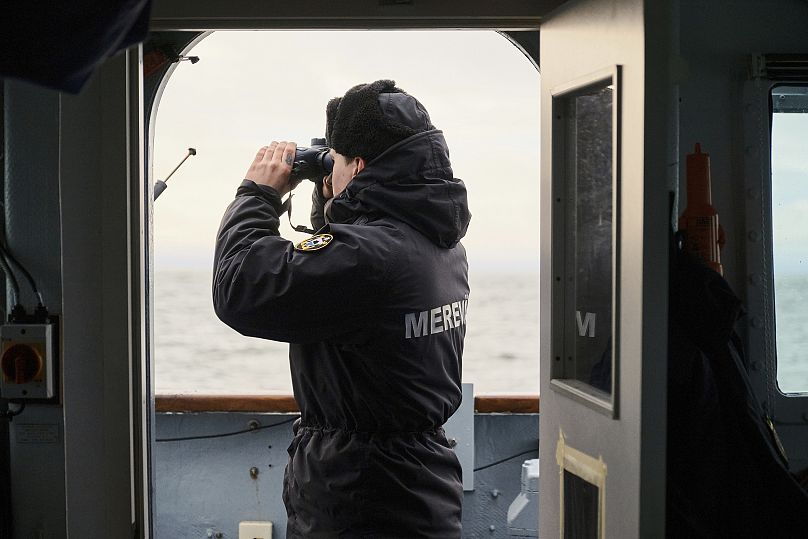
(449, 316)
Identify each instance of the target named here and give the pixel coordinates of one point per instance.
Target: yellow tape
(590, 469)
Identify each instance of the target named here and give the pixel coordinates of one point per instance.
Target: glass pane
(790, 236)
(588, 235)
(580, 508)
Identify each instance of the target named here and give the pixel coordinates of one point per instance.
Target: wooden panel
(510, 404)
(226, 403)
(488, 404)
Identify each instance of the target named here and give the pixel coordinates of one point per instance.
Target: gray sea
(196, 353)
(791, 311)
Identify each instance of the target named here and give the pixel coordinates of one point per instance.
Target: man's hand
(273, 165)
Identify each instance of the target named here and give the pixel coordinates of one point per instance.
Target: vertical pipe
(5, 450)
(5, 475)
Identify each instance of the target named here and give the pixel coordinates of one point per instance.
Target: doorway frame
(211, 15)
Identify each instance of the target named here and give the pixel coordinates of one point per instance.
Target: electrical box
(252, 529)
(27, 361)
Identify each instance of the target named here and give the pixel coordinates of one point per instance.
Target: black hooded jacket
(376, 319)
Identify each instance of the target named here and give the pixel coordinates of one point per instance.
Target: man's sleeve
(264, 287)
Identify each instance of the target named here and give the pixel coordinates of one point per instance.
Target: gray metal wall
(717, 40)
(66, 212)
(205, 485)
(580, 39)
(32, 216)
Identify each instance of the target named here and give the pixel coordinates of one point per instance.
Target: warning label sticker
(37, 433)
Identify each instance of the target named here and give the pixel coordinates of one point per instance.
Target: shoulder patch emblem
(315, 242)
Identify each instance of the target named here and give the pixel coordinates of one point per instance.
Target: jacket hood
(411, 181)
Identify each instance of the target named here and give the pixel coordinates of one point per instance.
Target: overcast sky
(790, 193)
(250, 88)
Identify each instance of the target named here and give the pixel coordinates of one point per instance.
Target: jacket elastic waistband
(433, 431)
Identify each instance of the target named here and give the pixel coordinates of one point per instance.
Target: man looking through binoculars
(374, 309)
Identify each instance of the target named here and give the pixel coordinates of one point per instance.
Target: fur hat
(370, 118)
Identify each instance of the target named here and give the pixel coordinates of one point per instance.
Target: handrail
(506, 404)
(483, 404)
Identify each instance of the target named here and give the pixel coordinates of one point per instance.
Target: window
(585, 189)
(479, 89)
(789, 162)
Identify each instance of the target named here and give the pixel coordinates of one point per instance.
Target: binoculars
(312, 163)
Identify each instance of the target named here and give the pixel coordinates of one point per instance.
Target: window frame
(575, 389)
(790, 409)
